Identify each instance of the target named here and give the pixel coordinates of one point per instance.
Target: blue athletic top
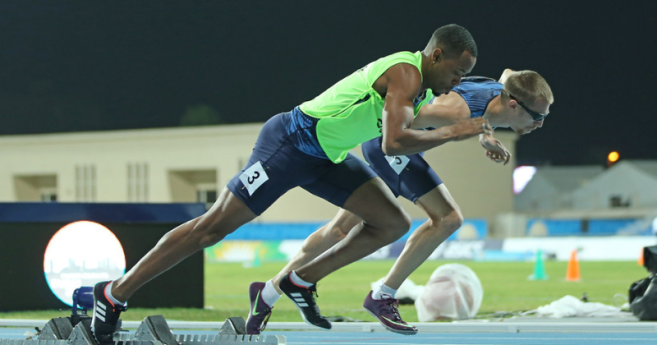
(478, 92)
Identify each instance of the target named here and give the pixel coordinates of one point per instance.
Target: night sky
(90, 65)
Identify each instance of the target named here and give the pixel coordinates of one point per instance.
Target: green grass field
(505, 284)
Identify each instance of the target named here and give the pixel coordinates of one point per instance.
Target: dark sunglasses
(535, 115)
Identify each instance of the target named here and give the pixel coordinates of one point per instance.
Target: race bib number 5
(254, 177)
(397, 163)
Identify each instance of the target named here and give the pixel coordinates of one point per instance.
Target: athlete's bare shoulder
(400, 77)
(455, 102)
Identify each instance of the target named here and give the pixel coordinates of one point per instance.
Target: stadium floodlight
(612, 158)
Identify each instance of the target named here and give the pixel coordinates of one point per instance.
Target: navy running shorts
(277, 165)
(409, 176)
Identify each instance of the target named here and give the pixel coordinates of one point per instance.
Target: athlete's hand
(471, 127)
(495, 150)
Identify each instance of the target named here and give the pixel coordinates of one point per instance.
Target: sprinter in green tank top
(308, 147)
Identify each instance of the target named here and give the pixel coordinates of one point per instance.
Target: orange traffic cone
(640, 261)
(572, 274)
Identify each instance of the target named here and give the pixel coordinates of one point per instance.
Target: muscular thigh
(438, 203)
(353, 186)
(376, 205)
(337, 182)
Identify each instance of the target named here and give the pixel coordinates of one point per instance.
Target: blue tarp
(35, 212)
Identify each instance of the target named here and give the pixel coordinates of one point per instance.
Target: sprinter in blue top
(477, 92)
(512, 102)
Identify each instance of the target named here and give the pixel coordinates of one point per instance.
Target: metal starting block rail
(153, 330)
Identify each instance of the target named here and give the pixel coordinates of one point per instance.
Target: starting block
(153, 330)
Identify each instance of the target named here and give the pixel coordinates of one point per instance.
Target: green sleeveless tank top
(350, 112)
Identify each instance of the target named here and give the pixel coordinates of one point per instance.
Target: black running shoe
(105, 317)
(304, 299)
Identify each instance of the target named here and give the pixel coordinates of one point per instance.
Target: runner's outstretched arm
(403, 85)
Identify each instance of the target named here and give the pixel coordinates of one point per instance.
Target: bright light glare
(613, 156)
(81, 254)
(521, 176)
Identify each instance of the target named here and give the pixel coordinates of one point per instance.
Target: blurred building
(627, 184)
(194, 163)
(587, 200)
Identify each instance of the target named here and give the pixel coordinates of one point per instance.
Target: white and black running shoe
(105, 317)
(304, 299)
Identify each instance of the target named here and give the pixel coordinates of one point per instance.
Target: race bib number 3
(397, 163)
(254, 177)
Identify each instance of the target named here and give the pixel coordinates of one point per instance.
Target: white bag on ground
(569, 306)
(453, 292)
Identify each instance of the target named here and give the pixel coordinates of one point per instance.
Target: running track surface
(381, 338)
